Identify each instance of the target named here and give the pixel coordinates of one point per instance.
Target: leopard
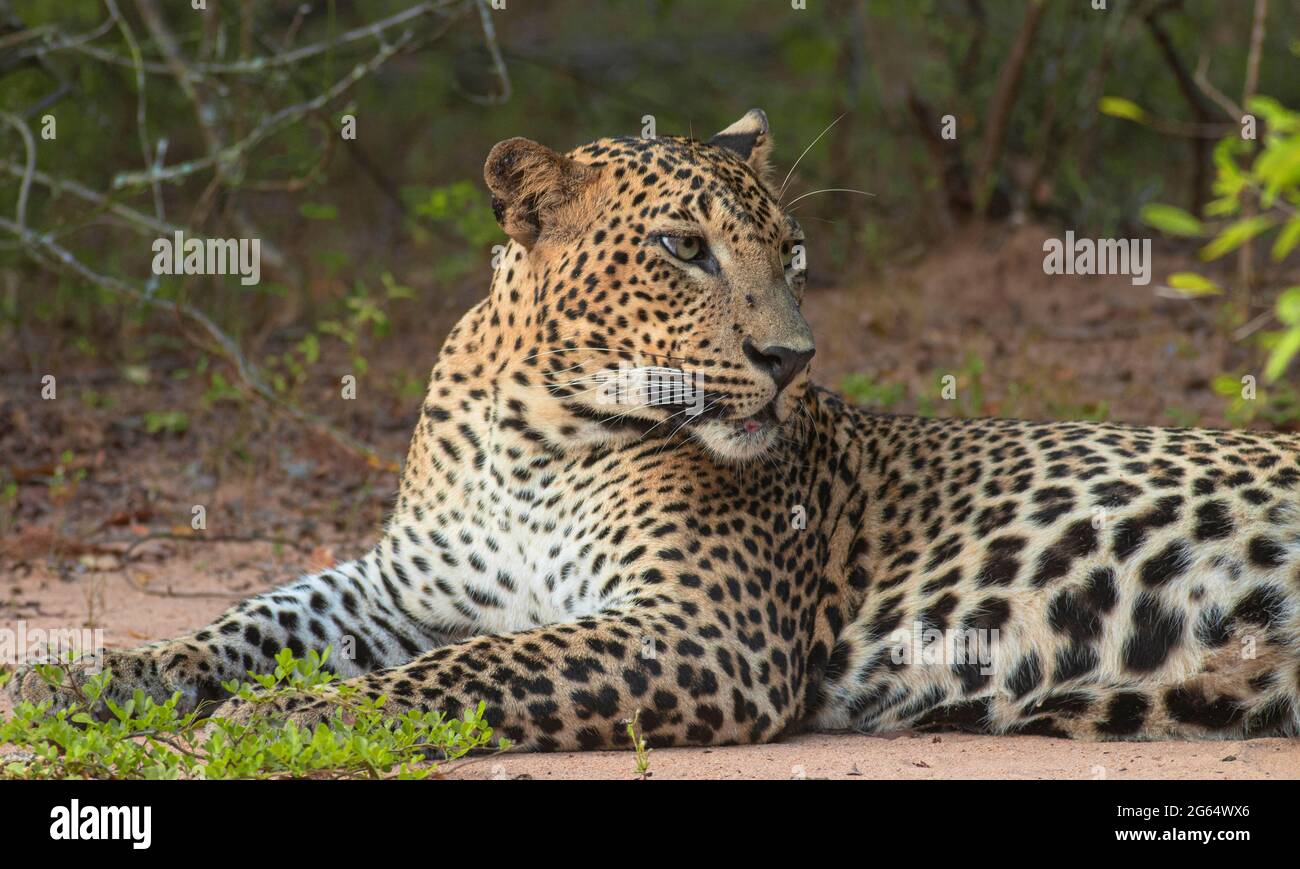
(736, 554)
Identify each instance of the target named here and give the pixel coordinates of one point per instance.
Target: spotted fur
(759, 567)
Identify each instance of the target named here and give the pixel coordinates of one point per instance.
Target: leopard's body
(781, 560)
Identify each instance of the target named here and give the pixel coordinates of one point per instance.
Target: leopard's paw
(62, 686)
(160, 671)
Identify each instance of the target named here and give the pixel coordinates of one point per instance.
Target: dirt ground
(95, 508)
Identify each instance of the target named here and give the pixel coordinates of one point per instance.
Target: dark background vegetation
(177, 391)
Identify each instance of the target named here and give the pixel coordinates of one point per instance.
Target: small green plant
(166, 421)
(865, 390)
(639, 745)
(1278, 404)
(459, 212)
(142, 739)
(61, 484)
(363, 316)
(959, 394)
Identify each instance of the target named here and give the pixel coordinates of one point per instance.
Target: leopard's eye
(686, 248)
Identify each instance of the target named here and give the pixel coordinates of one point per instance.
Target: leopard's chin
(740, 440)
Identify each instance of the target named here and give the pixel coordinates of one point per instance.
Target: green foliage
(1257, 190)
(462, 211)
(361, 316)
(166, 422)
(146, 740)
(967, 385)
(1277, 404)
(863, 389)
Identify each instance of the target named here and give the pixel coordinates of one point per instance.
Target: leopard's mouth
(758, 423)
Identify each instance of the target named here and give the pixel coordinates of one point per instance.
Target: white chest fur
(506, 551)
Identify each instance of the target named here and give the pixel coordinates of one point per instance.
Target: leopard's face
(659, 290)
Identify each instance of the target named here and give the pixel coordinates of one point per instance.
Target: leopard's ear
(529, 183)
(751, 138)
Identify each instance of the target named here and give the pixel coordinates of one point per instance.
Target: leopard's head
(653, 286)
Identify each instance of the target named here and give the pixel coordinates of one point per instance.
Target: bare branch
(20, 212)
(1003, 101)
(268, 127)
(1256, 49)
(1202, 77)
(142, 127)
(56, 185)
(1246, 254)
(251, 66)
(499, 64)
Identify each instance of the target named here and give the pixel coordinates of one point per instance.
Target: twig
(1202, 78)
(1187, 87)
(1256, 50)
(142, 127)
(204, 110)
(1246, 255)
(69, 42)
(499, 64)
(20, 212)
(127, 213)
(1250, 328)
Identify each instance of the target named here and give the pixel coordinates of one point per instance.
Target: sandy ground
(918, 756)
(43, 600)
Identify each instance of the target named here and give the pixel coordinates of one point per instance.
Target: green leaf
(1118, 107)
(1226, 385)
(1283, 351)
(1235, 234)
(1286, 239)
(1192, 284)
(1171, 220)
(1288, 306)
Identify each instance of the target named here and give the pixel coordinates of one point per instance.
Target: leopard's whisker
(827, 190)
(780, 193)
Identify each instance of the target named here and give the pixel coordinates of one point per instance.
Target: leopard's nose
(782, 363)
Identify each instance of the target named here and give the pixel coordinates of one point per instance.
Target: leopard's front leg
(574, 686)
(349, 609)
